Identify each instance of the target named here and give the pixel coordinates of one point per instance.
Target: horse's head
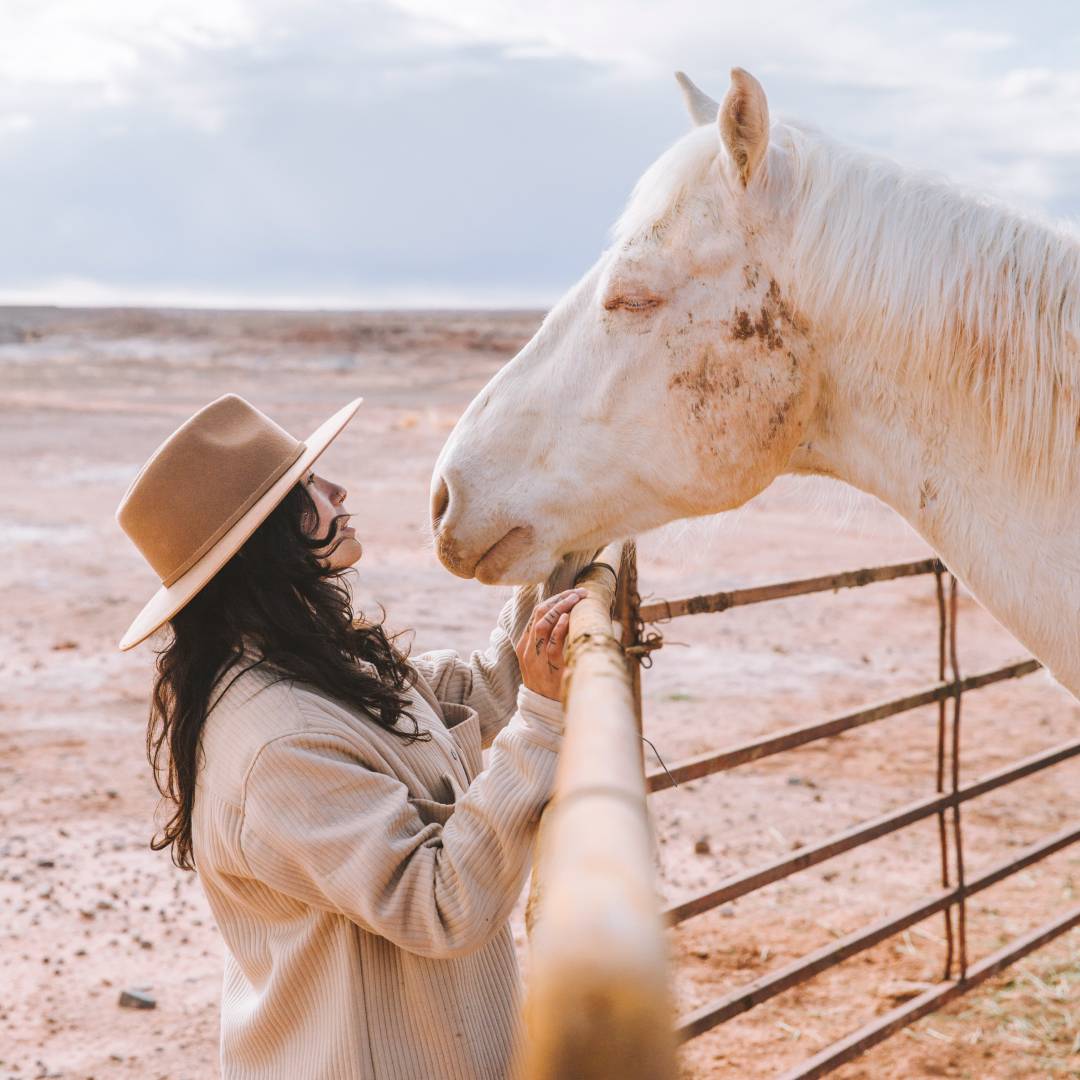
(675, 379)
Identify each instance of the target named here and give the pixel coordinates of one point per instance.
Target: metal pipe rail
(662, 610)
(876, 1031)
(755, 749)
(945, 802)
(598, 1002)
(776, 982)
(864, 833)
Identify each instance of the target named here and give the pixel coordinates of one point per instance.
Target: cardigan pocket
(464, 724)
(432, 812)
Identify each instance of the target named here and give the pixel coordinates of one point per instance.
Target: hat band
(260, 490)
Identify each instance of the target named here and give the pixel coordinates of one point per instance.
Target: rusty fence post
(942, 728)
(627, 611)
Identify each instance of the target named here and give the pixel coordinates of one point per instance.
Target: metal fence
(641, 637)
(598, 1004)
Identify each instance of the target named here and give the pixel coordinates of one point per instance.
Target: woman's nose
(340, 495)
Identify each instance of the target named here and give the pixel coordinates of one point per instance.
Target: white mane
(657, 196)
(978, 297)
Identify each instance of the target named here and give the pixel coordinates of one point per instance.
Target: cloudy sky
(426, 153)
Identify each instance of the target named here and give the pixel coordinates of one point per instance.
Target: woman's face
(329, 499)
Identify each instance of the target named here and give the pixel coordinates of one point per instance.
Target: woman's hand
(540, 649)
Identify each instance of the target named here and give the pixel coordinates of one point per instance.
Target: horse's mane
(976, 297)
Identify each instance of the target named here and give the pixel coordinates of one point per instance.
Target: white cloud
(12, 123)
(916, 80)
(104, 43)
(381, 148)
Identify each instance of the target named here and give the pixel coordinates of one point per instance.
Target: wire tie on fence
(592, 566)
(652, 747)
(646, 646)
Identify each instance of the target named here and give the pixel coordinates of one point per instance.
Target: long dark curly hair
(275, 602)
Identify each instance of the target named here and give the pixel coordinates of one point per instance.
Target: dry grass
(1028, 1017)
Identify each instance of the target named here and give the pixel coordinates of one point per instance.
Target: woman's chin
(354, 551)
(347, 553)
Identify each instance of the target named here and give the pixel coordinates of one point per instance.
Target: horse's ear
(702, 108)
(744, 123)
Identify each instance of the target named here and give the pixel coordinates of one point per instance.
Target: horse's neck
(1018, 552)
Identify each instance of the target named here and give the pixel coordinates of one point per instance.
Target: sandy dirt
(87, 910)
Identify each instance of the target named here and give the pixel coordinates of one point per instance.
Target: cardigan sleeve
(340, 833)
(489, 679)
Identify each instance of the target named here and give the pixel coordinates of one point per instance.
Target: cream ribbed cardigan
(363, 885)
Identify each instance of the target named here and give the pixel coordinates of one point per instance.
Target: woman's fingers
(545, 623)
(547, 614)
(558, 639)
(540, 648)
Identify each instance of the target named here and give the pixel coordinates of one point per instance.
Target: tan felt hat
(205, 490)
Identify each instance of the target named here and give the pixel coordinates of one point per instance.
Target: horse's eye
(632, 303)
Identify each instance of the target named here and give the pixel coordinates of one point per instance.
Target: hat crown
(201, 481)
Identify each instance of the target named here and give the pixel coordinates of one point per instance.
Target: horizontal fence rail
(754, 750)
(864, 833)
(662, 610)
(776, 982)
(944, 804)
(832, 1057)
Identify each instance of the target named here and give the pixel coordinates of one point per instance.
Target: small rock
(136, 999)
(45, 864)
(701, 846)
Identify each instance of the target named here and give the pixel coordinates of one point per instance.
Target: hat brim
(166, 602)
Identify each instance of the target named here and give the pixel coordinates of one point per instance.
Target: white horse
(774, 303)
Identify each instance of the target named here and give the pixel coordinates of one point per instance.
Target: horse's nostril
(440, 501)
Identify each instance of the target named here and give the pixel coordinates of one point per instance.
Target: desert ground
(88, 911)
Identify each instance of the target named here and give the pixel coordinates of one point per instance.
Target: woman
(360, 863)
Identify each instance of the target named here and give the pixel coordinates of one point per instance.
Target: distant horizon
(285, 309)
(200, 300)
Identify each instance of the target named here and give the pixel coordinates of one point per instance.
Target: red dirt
(88, 909)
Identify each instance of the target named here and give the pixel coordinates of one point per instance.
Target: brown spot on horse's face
(704, 385)
(741, 325)
(743, 398)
